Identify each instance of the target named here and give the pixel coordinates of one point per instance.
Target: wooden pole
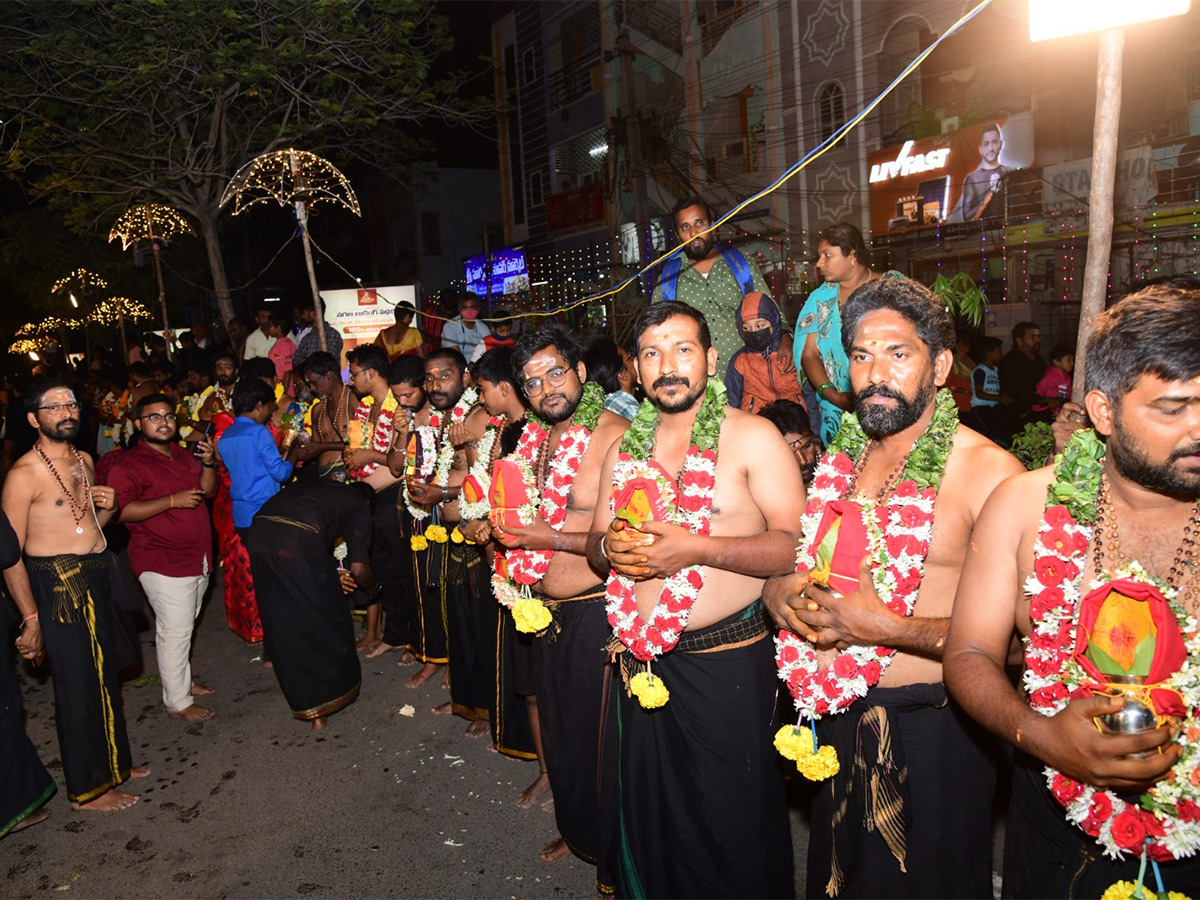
(1100, 202)
(302, 218)
(162, 292)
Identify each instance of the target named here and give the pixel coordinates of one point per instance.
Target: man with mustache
(707, 281)
(573, 681)
(701, 808)
(161, 487)
(471, 615)
(902, 736)
(63, 590)
(1134, 484)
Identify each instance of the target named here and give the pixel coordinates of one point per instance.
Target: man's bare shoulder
(745, 428)
(981, 460)
(609, 427)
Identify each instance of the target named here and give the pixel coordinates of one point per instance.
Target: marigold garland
(649, 638)
(1167, 820)
(899, 531)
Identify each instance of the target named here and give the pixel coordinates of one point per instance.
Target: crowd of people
(590, 549)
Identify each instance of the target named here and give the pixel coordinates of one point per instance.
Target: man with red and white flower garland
(915, 479)
(1118, 510)
(470, 614)
(704, 504)
(564, 447)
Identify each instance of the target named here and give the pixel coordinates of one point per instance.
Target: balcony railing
(569, 84)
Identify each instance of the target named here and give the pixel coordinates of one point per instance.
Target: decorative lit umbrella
(35, 337)
(114, 310)
(79, 284)
(293, 177)
(155, 223)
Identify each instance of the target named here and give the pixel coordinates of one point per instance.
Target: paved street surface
(253, 803)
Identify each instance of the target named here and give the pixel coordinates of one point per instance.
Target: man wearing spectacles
(161, 489)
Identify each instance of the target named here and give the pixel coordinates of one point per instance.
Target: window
(831, 108)
(536, 188)
(528, 67)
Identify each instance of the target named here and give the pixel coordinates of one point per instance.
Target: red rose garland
(1170, 827)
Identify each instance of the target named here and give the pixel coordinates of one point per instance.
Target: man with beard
(221, 400)
(330, 416)
(62, 589)
(1133, 488)
(161, 487)
(471, 616)
(572, 678)
(701, 807)
(713, 280)
(902, 737)
(365, 458)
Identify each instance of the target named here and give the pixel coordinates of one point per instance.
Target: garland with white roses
(427, 440)
(650, 638)
(898, 535)
(1166, 822)
(521, 569)
(445, 454)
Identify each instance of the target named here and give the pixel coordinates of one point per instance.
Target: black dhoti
(932, 796)
(307, 628)
(25, 785)
(512, 734)
(1047, 856)
(390, 552)
(577, 710)
(471, 614)
(426, 598)
(78, 634)
(701, 802)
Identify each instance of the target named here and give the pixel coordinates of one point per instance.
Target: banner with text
(359, 314)
(1067, 188)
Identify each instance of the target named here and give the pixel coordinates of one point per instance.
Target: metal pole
(1100, 202)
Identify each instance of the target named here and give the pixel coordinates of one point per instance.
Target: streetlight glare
(74, 302)
(1060, 18)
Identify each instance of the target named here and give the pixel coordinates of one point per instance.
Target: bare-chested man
(425, 623)
(329, 415)
(572, 677)
(376, 417)
(898, 336)
(471, 614)
(62, 589)
(1142, 383)
(701, 809)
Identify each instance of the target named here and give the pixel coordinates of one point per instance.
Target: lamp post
(1052, 19)
(298, 179)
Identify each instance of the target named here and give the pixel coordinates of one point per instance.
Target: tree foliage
(124, 100)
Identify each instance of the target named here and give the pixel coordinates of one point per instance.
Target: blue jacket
(256, 469)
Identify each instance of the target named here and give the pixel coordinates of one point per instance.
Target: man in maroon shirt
(161, 489)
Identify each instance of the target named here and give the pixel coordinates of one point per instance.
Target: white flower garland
(427, 441)
(445, 455)
(481, 471)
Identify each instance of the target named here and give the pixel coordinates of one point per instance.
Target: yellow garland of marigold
(649, 689)
(530, 615)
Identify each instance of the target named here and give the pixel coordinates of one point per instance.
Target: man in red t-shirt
(161, 489)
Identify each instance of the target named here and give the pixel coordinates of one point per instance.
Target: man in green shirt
(706, 281)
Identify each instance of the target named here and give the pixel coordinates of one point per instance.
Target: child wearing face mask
(757, 374)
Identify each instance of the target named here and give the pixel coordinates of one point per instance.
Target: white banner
(1066, 189)
(360, 314)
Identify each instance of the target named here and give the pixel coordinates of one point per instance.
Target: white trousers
(176, 603)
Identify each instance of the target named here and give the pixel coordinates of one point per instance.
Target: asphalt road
(253, 803)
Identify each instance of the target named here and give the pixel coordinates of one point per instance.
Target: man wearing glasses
(161, 487)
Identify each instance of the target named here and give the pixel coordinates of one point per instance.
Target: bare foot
(443, 709)
(366, 642)
(379, 649)
(193, 713)
(548, 804)
(407, 659)
(202, 690)
(534, 792)
(319, 723)
(139, 772)
(422, 675)
(556, 849)
(110, 801)
(268, 665)
(478, 728)
(40, 816)
(446, 680)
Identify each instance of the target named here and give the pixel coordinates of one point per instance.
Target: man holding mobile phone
(161, 487)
